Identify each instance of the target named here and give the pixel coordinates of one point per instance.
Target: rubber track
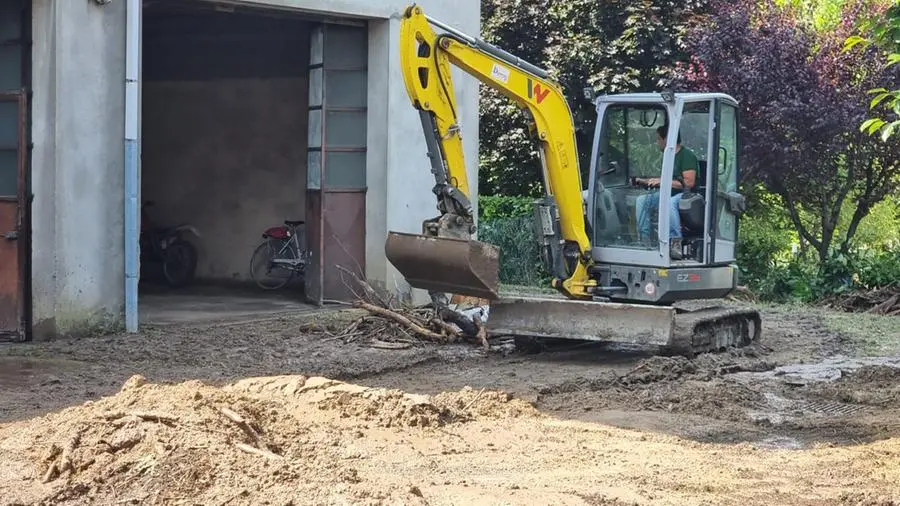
(714, 329)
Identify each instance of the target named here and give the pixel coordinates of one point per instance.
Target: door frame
(22, 231)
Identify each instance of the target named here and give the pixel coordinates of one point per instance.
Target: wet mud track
(792, 390)
(748, 395)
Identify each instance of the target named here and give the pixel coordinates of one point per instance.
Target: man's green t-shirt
(685, 159)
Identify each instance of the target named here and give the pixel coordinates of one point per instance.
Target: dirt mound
(646, 372)
(875, 385)
(278, 440)
(876, 375)
(485, 404)
(656, 369)
(866, 499)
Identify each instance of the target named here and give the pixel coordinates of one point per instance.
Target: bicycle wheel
(262, 268)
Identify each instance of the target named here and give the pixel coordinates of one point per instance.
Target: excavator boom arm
(426, 59)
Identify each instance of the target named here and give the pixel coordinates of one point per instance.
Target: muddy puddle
(830, 369)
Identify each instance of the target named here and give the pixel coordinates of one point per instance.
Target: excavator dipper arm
(470, 269)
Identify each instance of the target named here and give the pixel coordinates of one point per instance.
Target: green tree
(801, 96)
(611, 45)
(881, 29)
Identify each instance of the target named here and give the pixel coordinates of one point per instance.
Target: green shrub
(803, 279)
(875, 268)
(520, 260)
(498, 206)
(507, 222)
(761, 244)
(765, 254)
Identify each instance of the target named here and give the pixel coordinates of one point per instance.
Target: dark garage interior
(224, 147)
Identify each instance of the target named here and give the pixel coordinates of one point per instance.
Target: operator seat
(692, 207)
(607, 216)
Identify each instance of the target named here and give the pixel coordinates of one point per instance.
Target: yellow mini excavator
(618, 270)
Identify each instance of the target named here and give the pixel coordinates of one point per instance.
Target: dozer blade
(683, 332)
(582, 320)
(445, 264)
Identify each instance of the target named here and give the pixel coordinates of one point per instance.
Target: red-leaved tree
(802, 100)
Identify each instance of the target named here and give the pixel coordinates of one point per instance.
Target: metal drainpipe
(132, 159)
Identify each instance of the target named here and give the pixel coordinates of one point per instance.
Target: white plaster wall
(77, 166)
(399, 172)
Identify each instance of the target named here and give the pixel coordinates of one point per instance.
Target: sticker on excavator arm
(500, 73)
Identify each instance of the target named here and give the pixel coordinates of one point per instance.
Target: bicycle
(281, 249)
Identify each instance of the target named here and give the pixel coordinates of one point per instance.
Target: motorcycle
(168, 247)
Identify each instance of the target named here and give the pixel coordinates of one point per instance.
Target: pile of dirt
(292, 440)
(657, 369)
(668, 384)
(647, 372)
(873, 385)
(484, 404)
(275, 440)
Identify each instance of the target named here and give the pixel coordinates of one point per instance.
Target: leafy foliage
(504, 206)
(824, 195)
(817, 15)
(881, 29)
(767, 237)
(610, 45)
(801, 96)
(507, 222)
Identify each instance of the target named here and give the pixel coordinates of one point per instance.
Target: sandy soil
(281, 413)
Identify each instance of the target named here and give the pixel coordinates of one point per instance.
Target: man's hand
(649, 181)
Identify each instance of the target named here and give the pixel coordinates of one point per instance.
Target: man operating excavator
(684, 177)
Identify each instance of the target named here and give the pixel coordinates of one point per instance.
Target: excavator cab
(699, 133)
(644, 235)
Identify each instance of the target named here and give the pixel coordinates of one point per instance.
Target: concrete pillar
(77, 168)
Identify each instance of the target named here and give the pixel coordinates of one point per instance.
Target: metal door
(336, 161)
(12, 206)
(15, 39)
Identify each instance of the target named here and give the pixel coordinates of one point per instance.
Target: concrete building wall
(399, 176)
(78, 157)
(229, 157)
(77, 166)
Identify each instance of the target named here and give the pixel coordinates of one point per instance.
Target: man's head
(661, 134)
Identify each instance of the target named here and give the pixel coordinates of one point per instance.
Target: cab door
(724, 223)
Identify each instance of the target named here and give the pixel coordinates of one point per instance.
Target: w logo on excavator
(536, 91)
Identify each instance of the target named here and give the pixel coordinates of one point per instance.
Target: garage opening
(236, 134)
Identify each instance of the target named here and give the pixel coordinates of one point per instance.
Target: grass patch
(869, 335)
(507, 290)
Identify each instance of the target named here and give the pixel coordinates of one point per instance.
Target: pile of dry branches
(393, 325)
(884, 301)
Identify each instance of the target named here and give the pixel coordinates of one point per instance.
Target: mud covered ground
(811, 415)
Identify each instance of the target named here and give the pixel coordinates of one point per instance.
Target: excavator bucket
(445, 264)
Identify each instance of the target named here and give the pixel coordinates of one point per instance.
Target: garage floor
(216, 304)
